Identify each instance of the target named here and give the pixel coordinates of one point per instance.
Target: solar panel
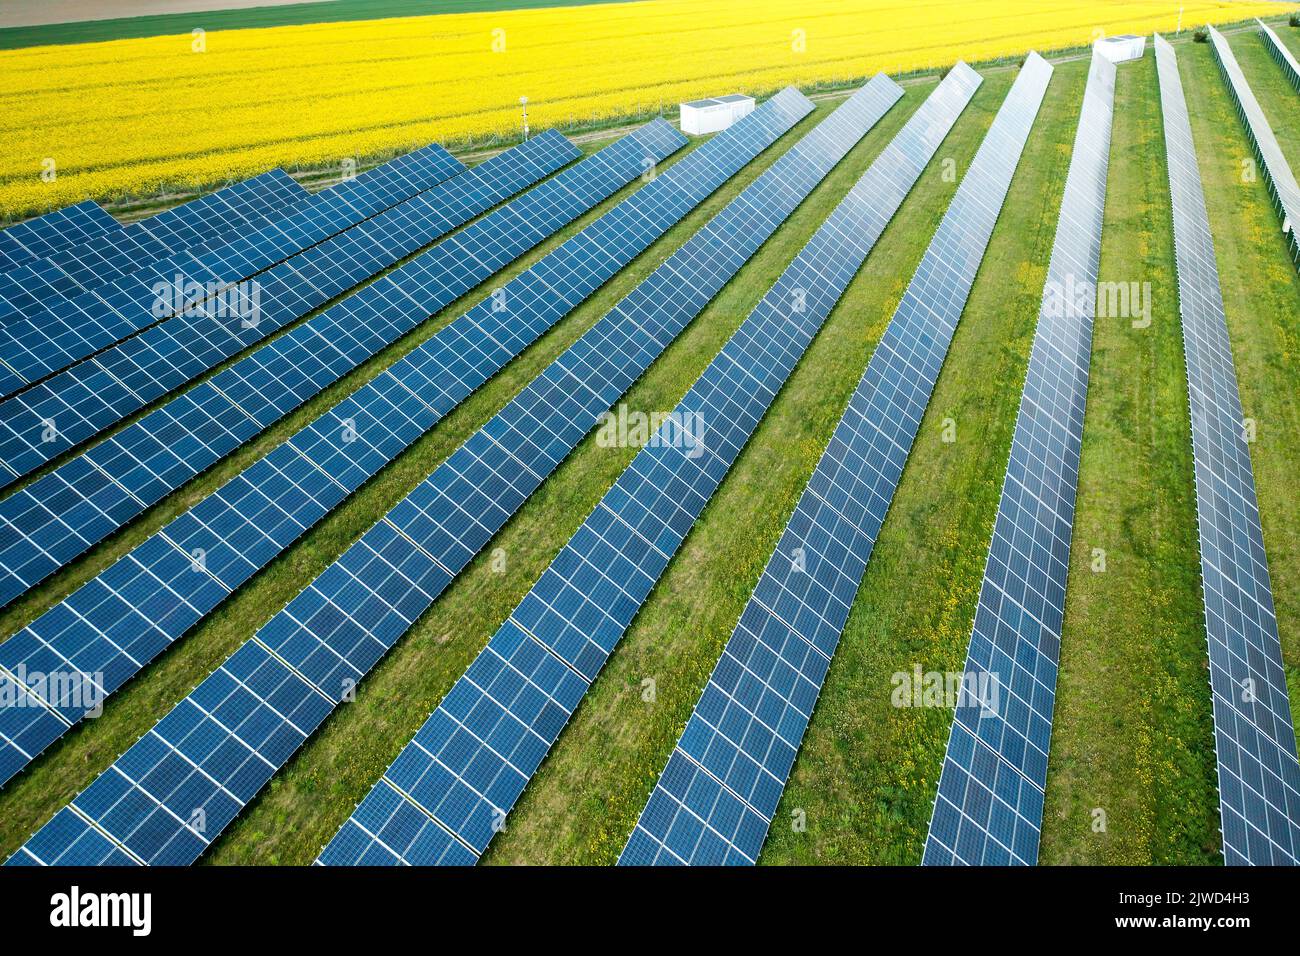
(716, 798)
(55, 415)
(44, 235)
(1282, 186)
(37, 286)
(340, 625)
(108, 637)
(989, 807)
(248, 204)
(1259, 773)
(195, 225)
(571, 620)
(1278, 50)
(65, 512)
(39, 345)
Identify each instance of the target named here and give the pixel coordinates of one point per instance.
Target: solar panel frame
(1255, 742)
(1280, 53)
(345, 620)
(989, 805)
(239, 528)
(1278, 177)
(717, 796)
(571, 620)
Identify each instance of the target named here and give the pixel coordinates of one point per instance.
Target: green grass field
(1132, 733)
(290, 14)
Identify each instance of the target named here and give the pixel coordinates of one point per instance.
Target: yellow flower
(139, 116)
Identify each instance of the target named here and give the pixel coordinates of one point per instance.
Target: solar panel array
(1281, 181)
(119, 621)
(62, 514)
(193, 226)
(1279, 51)
(57, 414)
(313, 652)
(473, 757)
(717, 796)
(1259, 773)
(39, 345)
(989, 806)
(45, 235)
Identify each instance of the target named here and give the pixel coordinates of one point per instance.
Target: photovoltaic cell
(44, 235)
(195, 225)
(1255, 744)
(989, 807)
(571, 620)
(341, 624)
(1282, 186)
(112, 626)
(716, 798)
(1279, 51)
(38, 345)
(57, 414)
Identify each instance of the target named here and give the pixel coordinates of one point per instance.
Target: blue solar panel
(252, 518)
(718, 793)
(536, 669)
(193, 226)
(62, 514)
(40, 344)
(95, 394)
(246, 205)
(352, 613)
(1280, 52)
(47, 234)
(1259, 773)
(989, 807)
(1281, 181)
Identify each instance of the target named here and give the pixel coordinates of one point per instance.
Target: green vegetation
(290, 14)
(1132, 729)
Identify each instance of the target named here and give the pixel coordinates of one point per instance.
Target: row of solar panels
(61, 514)
(193, 226)
(366, 632)
(64, 330)
(147, 599)
(279, 686)
(1278, 176)
(716, 798)
(345, 617)
(1255, 743)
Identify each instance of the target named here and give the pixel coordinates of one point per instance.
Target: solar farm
(903, 474)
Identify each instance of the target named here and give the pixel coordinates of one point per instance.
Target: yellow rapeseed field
(136, 116)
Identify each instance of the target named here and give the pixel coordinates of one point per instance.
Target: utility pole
(523, 101)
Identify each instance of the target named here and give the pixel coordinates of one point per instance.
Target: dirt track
(27, 13)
